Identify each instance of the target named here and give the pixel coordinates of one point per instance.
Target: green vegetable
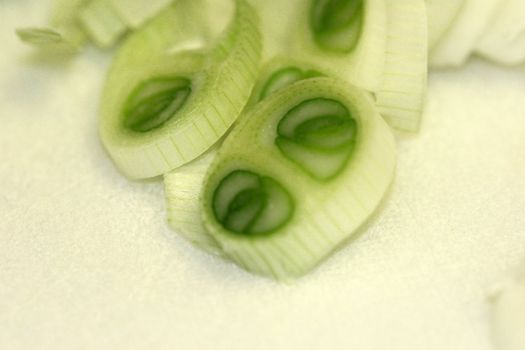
(102, 23)
(440, 16)
(459, 41)
(318, 135)
(336, 24)
(44, 37)
(62, 34)
(266, 209)
(346, 39)
(401, 96)
(170, 94)
(378, 45)
(504, 39)
(247, 203)
(284, 77)
(135, 12)
(280, 72)
(154, 102)
(183, 186)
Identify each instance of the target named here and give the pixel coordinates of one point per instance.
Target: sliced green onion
(278, 25)
(458, 43)
(163, 106)
(40, 36)
(102, 23)
(305, 217)
(247, 203)
(440, 16)
(154, 102)
(135, 12)
(183, 186)
(504, 38)
(64, 12)
(279, 73)
(279, 79)
(63, 34)
(401, 96)
(318, 135)
(347, 39)
(183, 189)
(336, 24)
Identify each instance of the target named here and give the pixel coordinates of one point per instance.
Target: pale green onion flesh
(64, 12)
(247, 203)
(361, 59)
(311, 158)
(401, 97)
(278, 25)
(440, 16)
(44, 38)
(39, 36)
(337, 24)
(306, 217)
(318, 135)
(62, 34)
(280, 72)
(183, 189)
(459, 41)
(134, 13)
(221, 75)
(284, 77)
(154, 102)
(64, 19)
(504, 38)
(102, 23)
(183, 186)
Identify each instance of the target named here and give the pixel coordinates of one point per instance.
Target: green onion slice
(401, 97)
(440, 16)
(460, 40)
(504, 39)
(247, 203)
(183, 186)
(337, 24)
(63, 34)
(318, 135)
(305, 217)
(283, 77)
(346, 39)
(135, 12)
(170, 94)
(102, 23)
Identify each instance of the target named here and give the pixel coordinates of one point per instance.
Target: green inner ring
(284, 77)
(337, 24)
(249, 204)
(155, 101)
(318, 135)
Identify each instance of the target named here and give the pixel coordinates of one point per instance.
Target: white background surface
(87, 260)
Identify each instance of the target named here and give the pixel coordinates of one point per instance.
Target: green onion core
(284, 77)
(336, 24)
(249, 204)
(318, 135)
(154, 102)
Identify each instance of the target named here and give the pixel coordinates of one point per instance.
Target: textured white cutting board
(88, 262)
